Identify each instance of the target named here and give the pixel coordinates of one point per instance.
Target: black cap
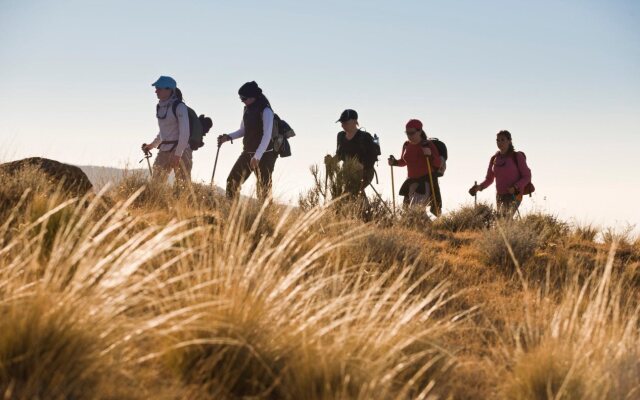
(250, 89)
(347, 115)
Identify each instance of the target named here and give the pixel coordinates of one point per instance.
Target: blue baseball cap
(165, 82)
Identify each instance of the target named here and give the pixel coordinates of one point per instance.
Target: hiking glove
(392, 161)
(328, 159)
(223, 138)
(474, 189)
(425, 147)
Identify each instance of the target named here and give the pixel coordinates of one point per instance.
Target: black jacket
(253, 126)
(361, 147)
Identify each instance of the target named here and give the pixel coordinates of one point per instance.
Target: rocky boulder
(72, 178)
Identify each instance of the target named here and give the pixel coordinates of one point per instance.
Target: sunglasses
(410, 133)
(242, 98)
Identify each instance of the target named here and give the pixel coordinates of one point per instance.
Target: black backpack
(199, 126)
(442, 148)
(444, 154)
(371, 146)
(280, 134)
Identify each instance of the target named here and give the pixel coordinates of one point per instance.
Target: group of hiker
(264, 138)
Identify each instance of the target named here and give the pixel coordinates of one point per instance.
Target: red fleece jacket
(415, 160)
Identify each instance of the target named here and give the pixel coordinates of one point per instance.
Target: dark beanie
(250, 89)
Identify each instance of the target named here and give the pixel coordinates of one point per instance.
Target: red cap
(414, 124)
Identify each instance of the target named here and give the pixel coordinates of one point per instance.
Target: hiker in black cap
(356, 143)
(255, 130)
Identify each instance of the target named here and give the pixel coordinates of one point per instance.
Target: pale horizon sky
(563, 77)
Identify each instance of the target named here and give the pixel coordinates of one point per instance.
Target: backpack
(528, 188)
(198, 125)
(444, 155)
(280, 134)
(371, 146)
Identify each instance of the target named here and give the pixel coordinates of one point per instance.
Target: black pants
(242, 169)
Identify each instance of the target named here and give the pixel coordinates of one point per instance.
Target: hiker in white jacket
(172, 141)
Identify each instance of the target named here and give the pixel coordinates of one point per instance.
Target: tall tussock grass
(585, 346)
(152, 291)
(287, 318)
(137, 301)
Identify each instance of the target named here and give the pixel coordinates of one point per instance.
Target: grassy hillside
(151, 292)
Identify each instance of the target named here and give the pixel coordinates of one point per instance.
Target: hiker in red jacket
(512, 175)
(417, 189)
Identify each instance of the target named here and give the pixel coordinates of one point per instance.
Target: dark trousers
(242, 169)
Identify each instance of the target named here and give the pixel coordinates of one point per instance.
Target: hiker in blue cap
(172, 140)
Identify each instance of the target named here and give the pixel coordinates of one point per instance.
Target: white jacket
(172, 127)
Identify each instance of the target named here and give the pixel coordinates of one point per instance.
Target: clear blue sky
(562, 76)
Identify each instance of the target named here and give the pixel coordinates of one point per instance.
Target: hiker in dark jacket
(172, 140)
(357, 144)
(415, 151)
(257, 153)
(512, 174)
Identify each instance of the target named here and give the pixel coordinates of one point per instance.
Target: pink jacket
(507, 173)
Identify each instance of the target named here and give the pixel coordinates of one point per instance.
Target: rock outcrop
(72, 179)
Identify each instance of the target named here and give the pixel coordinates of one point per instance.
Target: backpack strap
(175, 105)
(514, 156)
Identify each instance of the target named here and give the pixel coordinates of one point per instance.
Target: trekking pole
(380, 197)
(393, 192)
(215, 164)
(433, 191)
(147, 155)
(475, 195)
(326, 178)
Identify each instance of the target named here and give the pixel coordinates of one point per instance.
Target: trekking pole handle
(475, 195)
(147, 155)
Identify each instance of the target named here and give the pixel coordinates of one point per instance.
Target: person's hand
(328, 159)
(223, 138)
(425, 148)
(174, 161)
(392, 161)
(474, 189)
(254, 163)
(513, 190)
(146, 147)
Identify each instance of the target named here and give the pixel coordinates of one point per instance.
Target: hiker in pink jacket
(512, 175)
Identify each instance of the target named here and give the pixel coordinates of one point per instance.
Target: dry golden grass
(151, 292)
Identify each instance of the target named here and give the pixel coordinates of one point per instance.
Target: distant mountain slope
(100, 176)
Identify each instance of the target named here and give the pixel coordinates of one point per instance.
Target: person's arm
(402, 162)
(267, 131)
(183, 128)
(339, 150)
(434, 158)
(239, 133)
(155, 142)
(490, 175)
(525, 172)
